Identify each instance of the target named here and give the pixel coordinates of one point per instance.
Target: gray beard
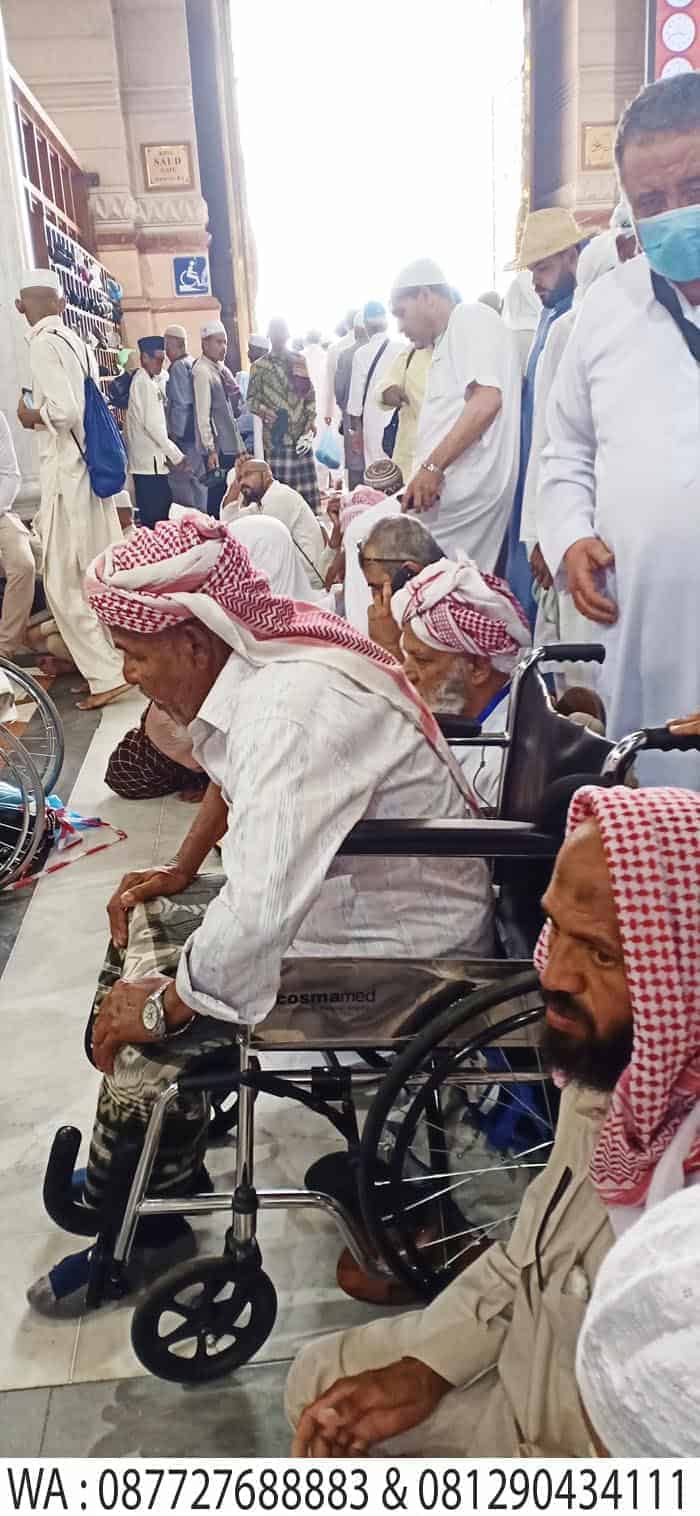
(449, 699)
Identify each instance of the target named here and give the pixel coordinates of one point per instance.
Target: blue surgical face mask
(671, 242)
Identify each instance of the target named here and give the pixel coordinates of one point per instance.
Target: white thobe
(150, 447)
(623, 464)
(482, 765)
(302, 753)
(557, 617)
(289, 507)
(477, 495)
(374, 419)
(74, 526)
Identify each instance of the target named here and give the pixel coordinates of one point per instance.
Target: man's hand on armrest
(206, 830)
(358, 1412)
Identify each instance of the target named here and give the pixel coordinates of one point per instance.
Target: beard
(562, 290)
(596, 1062)
(448, 698)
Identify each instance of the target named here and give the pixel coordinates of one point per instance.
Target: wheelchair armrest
(449, 839)
(457, 728)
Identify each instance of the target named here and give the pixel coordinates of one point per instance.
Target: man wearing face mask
(549, 250)
(617, 512)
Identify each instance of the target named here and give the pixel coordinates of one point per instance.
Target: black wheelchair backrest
(543, 748)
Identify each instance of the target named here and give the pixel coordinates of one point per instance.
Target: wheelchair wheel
(43, 736)
(460, 1126)
(22, 808)
(203, 1320)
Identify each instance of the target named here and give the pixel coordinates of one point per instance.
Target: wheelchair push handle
(571, 652)
(660, 740)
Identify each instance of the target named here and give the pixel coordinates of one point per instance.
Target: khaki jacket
(504, 1313)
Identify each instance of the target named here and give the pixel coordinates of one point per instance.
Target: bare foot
(56, 666)
(96, 702)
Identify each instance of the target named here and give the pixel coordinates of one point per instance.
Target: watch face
(150, 1015)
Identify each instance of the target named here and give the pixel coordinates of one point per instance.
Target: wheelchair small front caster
(204, 1319)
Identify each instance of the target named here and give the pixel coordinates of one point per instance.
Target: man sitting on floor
(305, 728)
(488, 1369)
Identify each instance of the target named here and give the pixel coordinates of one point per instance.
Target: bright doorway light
(372, 134)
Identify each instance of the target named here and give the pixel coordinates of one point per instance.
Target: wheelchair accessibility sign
(191, 275)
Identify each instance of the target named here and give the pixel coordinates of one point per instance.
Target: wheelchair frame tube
(275, 1200)
(144, 1169)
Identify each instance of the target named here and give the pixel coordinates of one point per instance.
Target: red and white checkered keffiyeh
(454, 607)
(651, 839)
(193, 567)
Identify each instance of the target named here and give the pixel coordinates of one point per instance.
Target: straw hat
(545, 233)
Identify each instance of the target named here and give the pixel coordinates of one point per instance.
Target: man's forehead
(581, 868)
(645, 158)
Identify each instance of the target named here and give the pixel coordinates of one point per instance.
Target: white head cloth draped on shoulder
(455, 608)
(192, 567)
(639, 1347)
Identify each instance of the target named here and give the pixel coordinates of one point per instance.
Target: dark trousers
(216, 492)
(153, 497)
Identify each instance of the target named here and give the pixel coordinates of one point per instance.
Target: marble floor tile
(22, 1421)
(142, 1418)
(33, 1351)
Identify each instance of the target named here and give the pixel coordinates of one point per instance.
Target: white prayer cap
(639, 1347)
(213, 329)
(176, 331)
(422, 271)
(257, 339)
(40, 279)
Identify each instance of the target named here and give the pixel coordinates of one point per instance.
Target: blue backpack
(105, 454)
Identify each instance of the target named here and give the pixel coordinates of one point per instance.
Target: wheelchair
(446, 1117)
(29, 768)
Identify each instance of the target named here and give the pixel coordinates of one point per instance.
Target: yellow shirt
(410, 377)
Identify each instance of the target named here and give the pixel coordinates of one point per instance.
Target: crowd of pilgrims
(413, 505)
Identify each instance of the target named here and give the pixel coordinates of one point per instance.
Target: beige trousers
(90, 648)
(465, 1418)
(20, 574)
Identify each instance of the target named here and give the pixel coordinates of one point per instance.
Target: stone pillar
(16, 244)
(588, 60)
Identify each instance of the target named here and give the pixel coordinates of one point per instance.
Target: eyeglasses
(379, 561)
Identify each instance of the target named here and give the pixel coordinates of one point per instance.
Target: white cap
(40, 279)
(637, 1356)
(175, 331)
(257, 339)
(213, 329)
(421, 271)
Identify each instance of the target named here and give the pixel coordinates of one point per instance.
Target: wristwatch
(153, 1014)
(432, 468)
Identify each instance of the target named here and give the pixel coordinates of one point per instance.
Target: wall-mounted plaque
(167, 165)
(599, 146)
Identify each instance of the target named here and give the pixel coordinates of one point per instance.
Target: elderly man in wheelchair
(342, 924)
(304, 727)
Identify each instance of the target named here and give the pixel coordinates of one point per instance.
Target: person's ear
(416, 568)
(19, 306)
(61, 304)
(480, 669)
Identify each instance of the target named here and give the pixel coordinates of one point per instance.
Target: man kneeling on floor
(306, 728)
(489, 1368)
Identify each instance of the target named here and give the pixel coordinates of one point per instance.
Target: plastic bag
(328, 450)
